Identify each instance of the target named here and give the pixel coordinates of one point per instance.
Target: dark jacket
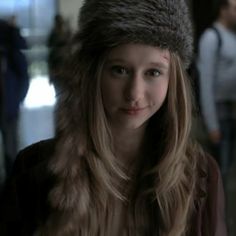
(25, 206)
(15, 77)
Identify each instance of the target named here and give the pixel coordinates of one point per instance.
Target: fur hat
(163, 23)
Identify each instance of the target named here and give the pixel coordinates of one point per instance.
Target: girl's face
(134, 84)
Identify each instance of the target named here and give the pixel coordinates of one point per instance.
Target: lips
(133, 111)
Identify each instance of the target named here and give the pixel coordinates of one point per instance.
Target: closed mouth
(132, 110)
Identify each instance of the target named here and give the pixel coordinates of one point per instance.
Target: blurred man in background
(59, 44)
(217, 74)
(14, 85)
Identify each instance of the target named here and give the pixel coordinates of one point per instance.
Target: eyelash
(152, 72)
(121, 71)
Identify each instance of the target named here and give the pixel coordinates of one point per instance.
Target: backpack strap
(219, 39)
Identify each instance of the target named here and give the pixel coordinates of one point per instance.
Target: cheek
(105, 86)
(160, 91)
(107, 91)
(110, 92)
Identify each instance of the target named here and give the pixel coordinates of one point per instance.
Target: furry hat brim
(163, 23)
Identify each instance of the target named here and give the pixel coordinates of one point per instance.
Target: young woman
(123, 161)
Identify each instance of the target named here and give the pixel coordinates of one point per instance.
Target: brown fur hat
(163, 23)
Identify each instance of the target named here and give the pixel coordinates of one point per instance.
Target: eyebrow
(155, 64)
(160, 64)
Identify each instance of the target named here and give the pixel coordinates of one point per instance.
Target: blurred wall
(70, 9)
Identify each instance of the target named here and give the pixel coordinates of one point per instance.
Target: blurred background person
(217, 77)
(59, 48)
(3, 31)
(14, 86)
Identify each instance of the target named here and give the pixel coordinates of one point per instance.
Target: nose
(134, 90)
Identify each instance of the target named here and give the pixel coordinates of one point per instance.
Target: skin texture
(134, 86)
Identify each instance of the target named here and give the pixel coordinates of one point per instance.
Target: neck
(129, 144)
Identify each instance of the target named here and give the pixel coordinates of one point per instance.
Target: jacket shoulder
(35, 155)
(210, 198)
(24, 203)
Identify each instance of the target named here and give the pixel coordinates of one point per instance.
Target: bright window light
(40, 93)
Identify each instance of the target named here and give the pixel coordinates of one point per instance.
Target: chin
(134, 125)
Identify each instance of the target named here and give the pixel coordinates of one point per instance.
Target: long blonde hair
(86, 172)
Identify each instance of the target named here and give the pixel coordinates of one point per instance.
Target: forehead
(144, 52)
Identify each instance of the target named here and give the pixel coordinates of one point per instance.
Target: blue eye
(153, 73)
(119, 70)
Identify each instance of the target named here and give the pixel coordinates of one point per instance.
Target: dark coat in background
(59, 45)
(15, 78)
(25, 205)
(14, 84)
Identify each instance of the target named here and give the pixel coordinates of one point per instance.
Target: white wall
(70, 10)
